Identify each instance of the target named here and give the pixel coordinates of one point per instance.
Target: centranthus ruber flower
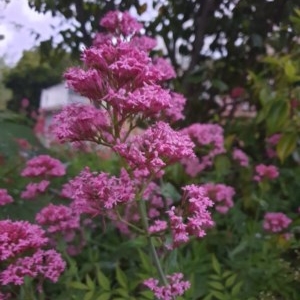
(192, 218)
(209, 141)
(5, 198)
(221, 195)
(78, 122)
(44, 166)
(176, 286)
(20, 237)
(241, 157)
(268, 172)
(275, 222)
(22, 254)
(43, 264)
(34, 189)
(96, 194)
(157, 147)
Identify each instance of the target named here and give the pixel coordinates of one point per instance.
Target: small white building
(52, 100)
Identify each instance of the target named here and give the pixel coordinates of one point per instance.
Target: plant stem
(142, 208)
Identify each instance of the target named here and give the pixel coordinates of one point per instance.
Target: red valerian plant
(123, 85)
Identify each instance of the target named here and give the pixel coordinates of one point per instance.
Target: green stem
(142, 208)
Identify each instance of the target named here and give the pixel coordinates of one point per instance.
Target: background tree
(32, 74)
(211, 43)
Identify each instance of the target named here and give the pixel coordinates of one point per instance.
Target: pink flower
(58, 219)
(120, 23)
(237, 92)
(209, 140)
(175, 111)
(156, 148)
(96, 194)
(272, 141)
(194, 219)
(79, 122)
(158, 226)
(241, 157)
(34, 189)
(88, 83)
(44, 166)
(176, 287)
(42, 264)
(18, 237)
(265, 172)
(221, 195)
(165, 68)
(5, 198)
(275, 222)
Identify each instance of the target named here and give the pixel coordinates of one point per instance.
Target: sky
(17, 22)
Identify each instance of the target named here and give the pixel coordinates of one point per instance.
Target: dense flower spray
(124, 87)
(23, 253)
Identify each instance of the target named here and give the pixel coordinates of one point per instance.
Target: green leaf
(236, 289)
(208, 297)
(121, 278)
(147, 295)
(90, 283)
(277, 116)
(103, 280)
(78, 285)
(216, 285)
(121, 292)
(105, 296)
(89, 295)
(230, 281)
(216, 265)
(219, 295)
(290, 70)
(145, 260)
(286, 145)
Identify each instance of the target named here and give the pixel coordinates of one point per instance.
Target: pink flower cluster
(275, 222)
(61, 222)
(5, 198)
(21, 251)
(176, 287)
(120, 23)
(46, 264)
(96, 194)
(194, 219)
(120, 78)
(159, 146)
(58, 219)
(34, 189)
(221, 195)
(272, 141)
(241, 157)
(81, 122)
(43, 166)
(265, 172)
(209, 141)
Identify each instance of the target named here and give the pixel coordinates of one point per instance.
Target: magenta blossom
(176, 287)
(265, 172)
(209, 141)
(34, 189)
(44, 166)
(5, 198)
(194, 219)
(155, 149)
(42, 265)
(241, 157)
(221, 195)
(275, 222)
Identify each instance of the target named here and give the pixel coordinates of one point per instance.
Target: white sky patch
(19, 24)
